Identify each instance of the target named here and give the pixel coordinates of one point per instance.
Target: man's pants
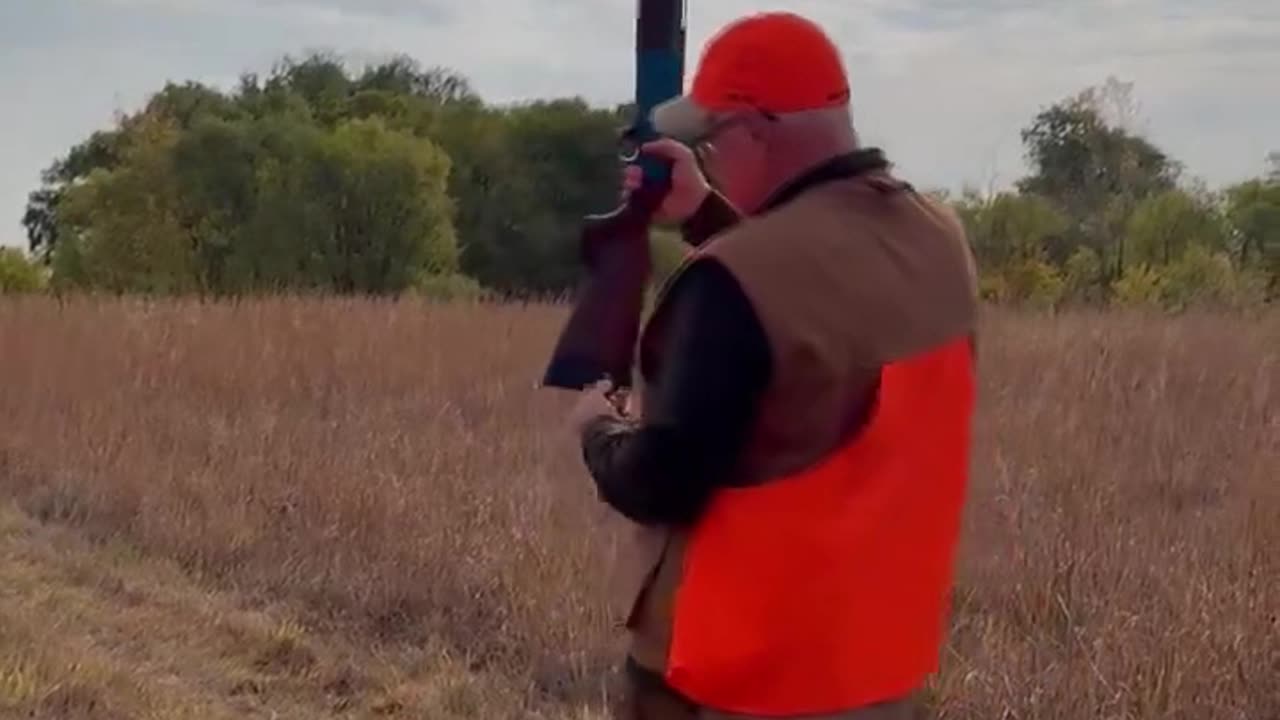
(646, 696)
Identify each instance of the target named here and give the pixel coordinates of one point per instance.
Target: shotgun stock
(598, 341)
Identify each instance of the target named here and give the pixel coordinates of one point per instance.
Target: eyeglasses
(704, 144)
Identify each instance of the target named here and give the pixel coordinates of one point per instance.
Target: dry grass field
(352, 508)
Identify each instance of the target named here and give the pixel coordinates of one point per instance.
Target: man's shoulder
(869, 232)
(837, 213)
(754, 235)
(703, 277)
(948, 217)
(888, 260)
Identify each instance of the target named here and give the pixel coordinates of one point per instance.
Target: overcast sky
(942, 85)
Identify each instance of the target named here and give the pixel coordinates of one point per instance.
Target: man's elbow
(657, 508)
(633, 505)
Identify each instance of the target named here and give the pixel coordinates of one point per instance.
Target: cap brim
(681, 118)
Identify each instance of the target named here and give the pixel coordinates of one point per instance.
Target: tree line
(397, 178)
(1106, 216)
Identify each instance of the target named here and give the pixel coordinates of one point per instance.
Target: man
(797, 470)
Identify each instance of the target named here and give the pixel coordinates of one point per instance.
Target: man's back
(847, 277)
(836, 535)
(813, 575)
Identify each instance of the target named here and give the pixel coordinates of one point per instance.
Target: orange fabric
(829, 590)
(778, 61)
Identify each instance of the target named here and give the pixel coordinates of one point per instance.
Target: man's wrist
(696, 200)
(602, 426)
(713, 216)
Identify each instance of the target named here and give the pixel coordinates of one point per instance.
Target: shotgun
(598, 341)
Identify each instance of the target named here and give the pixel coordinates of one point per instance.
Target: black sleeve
(713, 216)
(663, 469)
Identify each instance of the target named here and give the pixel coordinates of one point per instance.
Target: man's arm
(664, 469)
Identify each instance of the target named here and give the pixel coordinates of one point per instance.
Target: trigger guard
(628, 151)
(631, 140)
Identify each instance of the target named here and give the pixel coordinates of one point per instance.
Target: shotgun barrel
(660, 50)
(598, 341)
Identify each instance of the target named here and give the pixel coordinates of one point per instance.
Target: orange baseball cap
(778, 62)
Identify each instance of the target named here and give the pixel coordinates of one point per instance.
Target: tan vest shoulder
(889, 271)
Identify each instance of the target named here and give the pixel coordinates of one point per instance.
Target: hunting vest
(819, 582)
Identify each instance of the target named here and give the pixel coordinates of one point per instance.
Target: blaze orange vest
(828, 589)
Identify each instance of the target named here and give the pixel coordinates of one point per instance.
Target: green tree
(119, 229)
(392, 216)
(188, 103)
(395, 177)
(1082, 276)
(182, 104)
(1202, 276)
(19, 273)
(270, 247)
(215, 165)
(528, 175)
(1034, 282)
(485, 184)
(1094, 169)
(1253, 218)
(1164, 226)
(404, 76)
(1010, 228)
(99, 151)
(1016, 240)
(361, 208)
(320, 79)
(269, 182)
(1139, 286)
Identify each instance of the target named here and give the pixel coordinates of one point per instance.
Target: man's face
(733, 158)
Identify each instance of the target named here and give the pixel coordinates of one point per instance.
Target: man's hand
(597, 402)
(689, 188)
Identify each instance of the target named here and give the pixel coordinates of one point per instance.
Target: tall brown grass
(391, 469)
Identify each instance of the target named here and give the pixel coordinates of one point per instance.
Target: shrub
(1035, 282)
(450, 287)
(18, 273)
(1139, 286)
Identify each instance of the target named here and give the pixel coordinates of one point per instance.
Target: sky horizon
(944, 86)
